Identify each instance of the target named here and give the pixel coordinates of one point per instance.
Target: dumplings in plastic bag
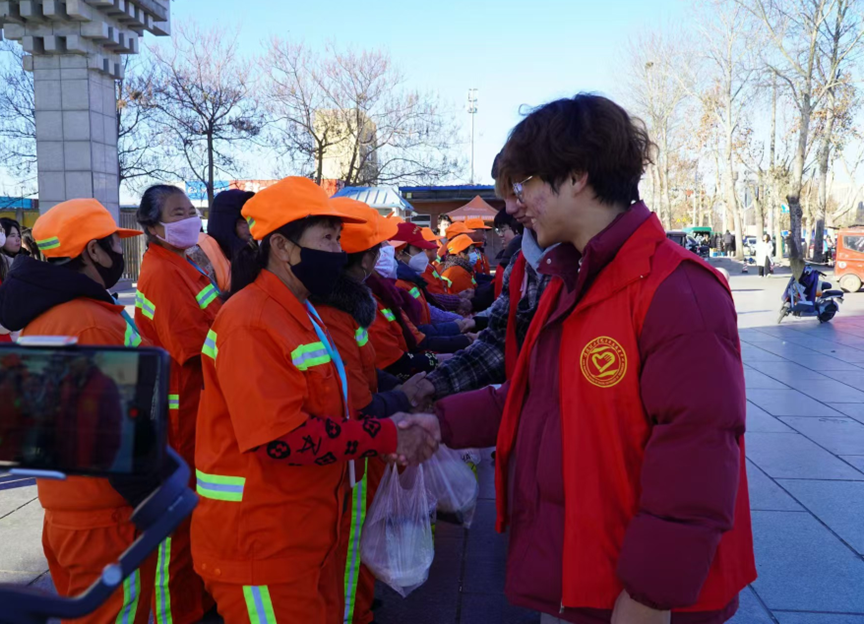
(397, 544)
(453, 484)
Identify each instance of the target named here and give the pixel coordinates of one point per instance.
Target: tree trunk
(793, 195)
(773, 195)
(731, 198)
(211, 169)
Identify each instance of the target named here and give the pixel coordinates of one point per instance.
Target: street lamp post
(472, 110)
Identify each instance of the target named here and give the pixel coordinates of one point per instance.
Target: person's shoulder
(80, 318)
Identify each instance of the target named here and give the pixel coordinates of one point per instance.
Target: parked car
(750, 245)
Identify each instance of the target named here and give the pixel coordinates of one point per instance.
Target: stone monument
(75, 50)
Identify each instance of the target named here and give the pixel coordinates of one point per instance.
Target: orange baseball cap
(477, 224)
(430, 236)
(411, 234)
(459, 244)
(289, 200)
(65, 230)
(392, 216)
(458, 228)
(369, 228)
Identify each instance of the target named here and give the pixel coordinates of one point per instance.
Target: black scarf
(352, 297)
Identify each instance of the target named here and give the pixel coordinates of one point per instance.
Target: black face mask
(111, 275)
(318, 270)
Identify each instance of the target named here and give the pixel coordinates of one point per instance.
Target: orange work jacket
(221, 264)
(261, 521)
(436, 284)
(482, 264)
(605, 327)
(386, 337)
(93, 323)
(174, 308)
(414, 291)
(460, 279)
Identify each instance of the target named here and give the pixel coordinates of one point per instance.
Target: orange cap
(477, 224)
(65, 230)
(459, 244)
(289, 200)
(458, 228)
(369, 229)
(430, 236)
(394, 217)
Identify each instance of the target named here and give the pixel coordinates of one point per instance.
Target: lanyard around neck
(325, 339)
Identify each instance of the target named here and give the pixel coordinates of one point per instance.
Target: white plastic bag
(452, 483)
(397, 544)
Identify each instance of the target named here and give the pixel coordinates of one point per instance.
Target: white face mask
(419, 262)
(182, 234)
(386, 265)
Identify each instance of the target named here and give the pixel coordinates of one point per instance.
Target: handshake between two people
(418, 437)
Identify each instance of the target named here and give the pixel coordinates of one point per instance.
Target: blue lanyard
(325, 339)
(204, 273)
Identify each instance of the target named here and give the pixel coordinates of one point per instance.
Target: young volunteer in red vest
(87, 520)
(625, 495)
(175, 305)
(276, 440)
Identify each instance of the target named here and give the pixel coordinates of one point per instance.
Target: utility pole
(472, 110)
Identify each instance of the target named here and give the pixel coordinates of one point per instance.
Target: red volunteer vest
(511, 346)
(601, 402)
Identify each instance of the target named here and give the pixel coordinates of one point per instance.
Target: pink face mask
(182, 234)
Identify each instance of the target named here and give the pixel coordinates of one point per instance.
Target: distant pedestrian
(729, 243)
(763, 256)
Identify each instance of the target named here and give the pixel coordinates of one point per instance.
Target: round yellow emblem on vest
(603, 362)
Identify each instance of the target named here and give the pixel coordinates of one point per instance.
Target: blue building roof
(476, 188)
(377, 197)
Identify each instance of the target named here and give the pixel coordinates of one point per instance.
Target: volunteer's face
(177, 207)
(369, 261)
(241, 228)
(516, 209)
(507, 235)
(13, 242)
(322, 238)
(553, 216)
(432, 254)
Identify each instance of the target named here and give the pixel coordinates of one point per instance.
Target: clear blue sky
(515, 53)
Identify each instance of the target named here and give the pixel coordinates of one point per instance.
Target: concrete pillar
(75, 52)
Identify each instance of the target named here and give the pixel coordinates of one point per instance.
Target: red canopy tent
(477, 208)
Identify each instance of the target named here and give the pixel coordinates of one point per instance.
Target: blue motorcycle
(810, 296)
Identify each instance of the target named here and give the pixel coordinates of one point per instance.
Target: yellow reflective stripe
(163, 581)
(48, 243)
(388, 315)
(210, 349)
(220, 487)
(362, 337)
(473, 281)
(131, 339)
(306, 356)
(448, 281)
(259, 605)
(206, 296)
(415, 292)
(173, 401)
(352, 564)
(131, 595)
(142, 303)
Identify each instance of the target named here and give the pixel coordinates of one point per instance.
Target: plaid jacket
(482, 363)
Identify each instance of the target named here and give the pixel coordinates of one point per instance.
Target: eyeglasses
(501, 231)
(519, 187)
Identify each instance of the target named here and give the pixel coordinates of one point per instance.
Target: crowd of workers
(313, 340)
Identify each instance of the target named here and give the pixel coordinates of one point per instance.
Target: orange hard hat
(459, 244)
(430, 236)
(369, 229)
(65, 230)
(477, 224)
(458, 228)
(289, 200)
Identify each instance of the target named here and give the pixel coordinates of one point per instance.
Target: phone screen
(83, 410)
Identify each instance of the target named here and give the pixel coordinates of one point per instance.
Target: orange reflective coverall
(414, 291)
(174, 308)
(87, 524)
(482, 264)
(358, 356)
(436, 284)
(265, 534)
(460, 279)
(386, 337)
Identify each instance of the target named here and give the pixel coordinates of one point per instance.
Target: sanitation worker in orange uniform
(276, 445)
(459, 266)
(86, 524)
(348, 311)
(175, 306)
